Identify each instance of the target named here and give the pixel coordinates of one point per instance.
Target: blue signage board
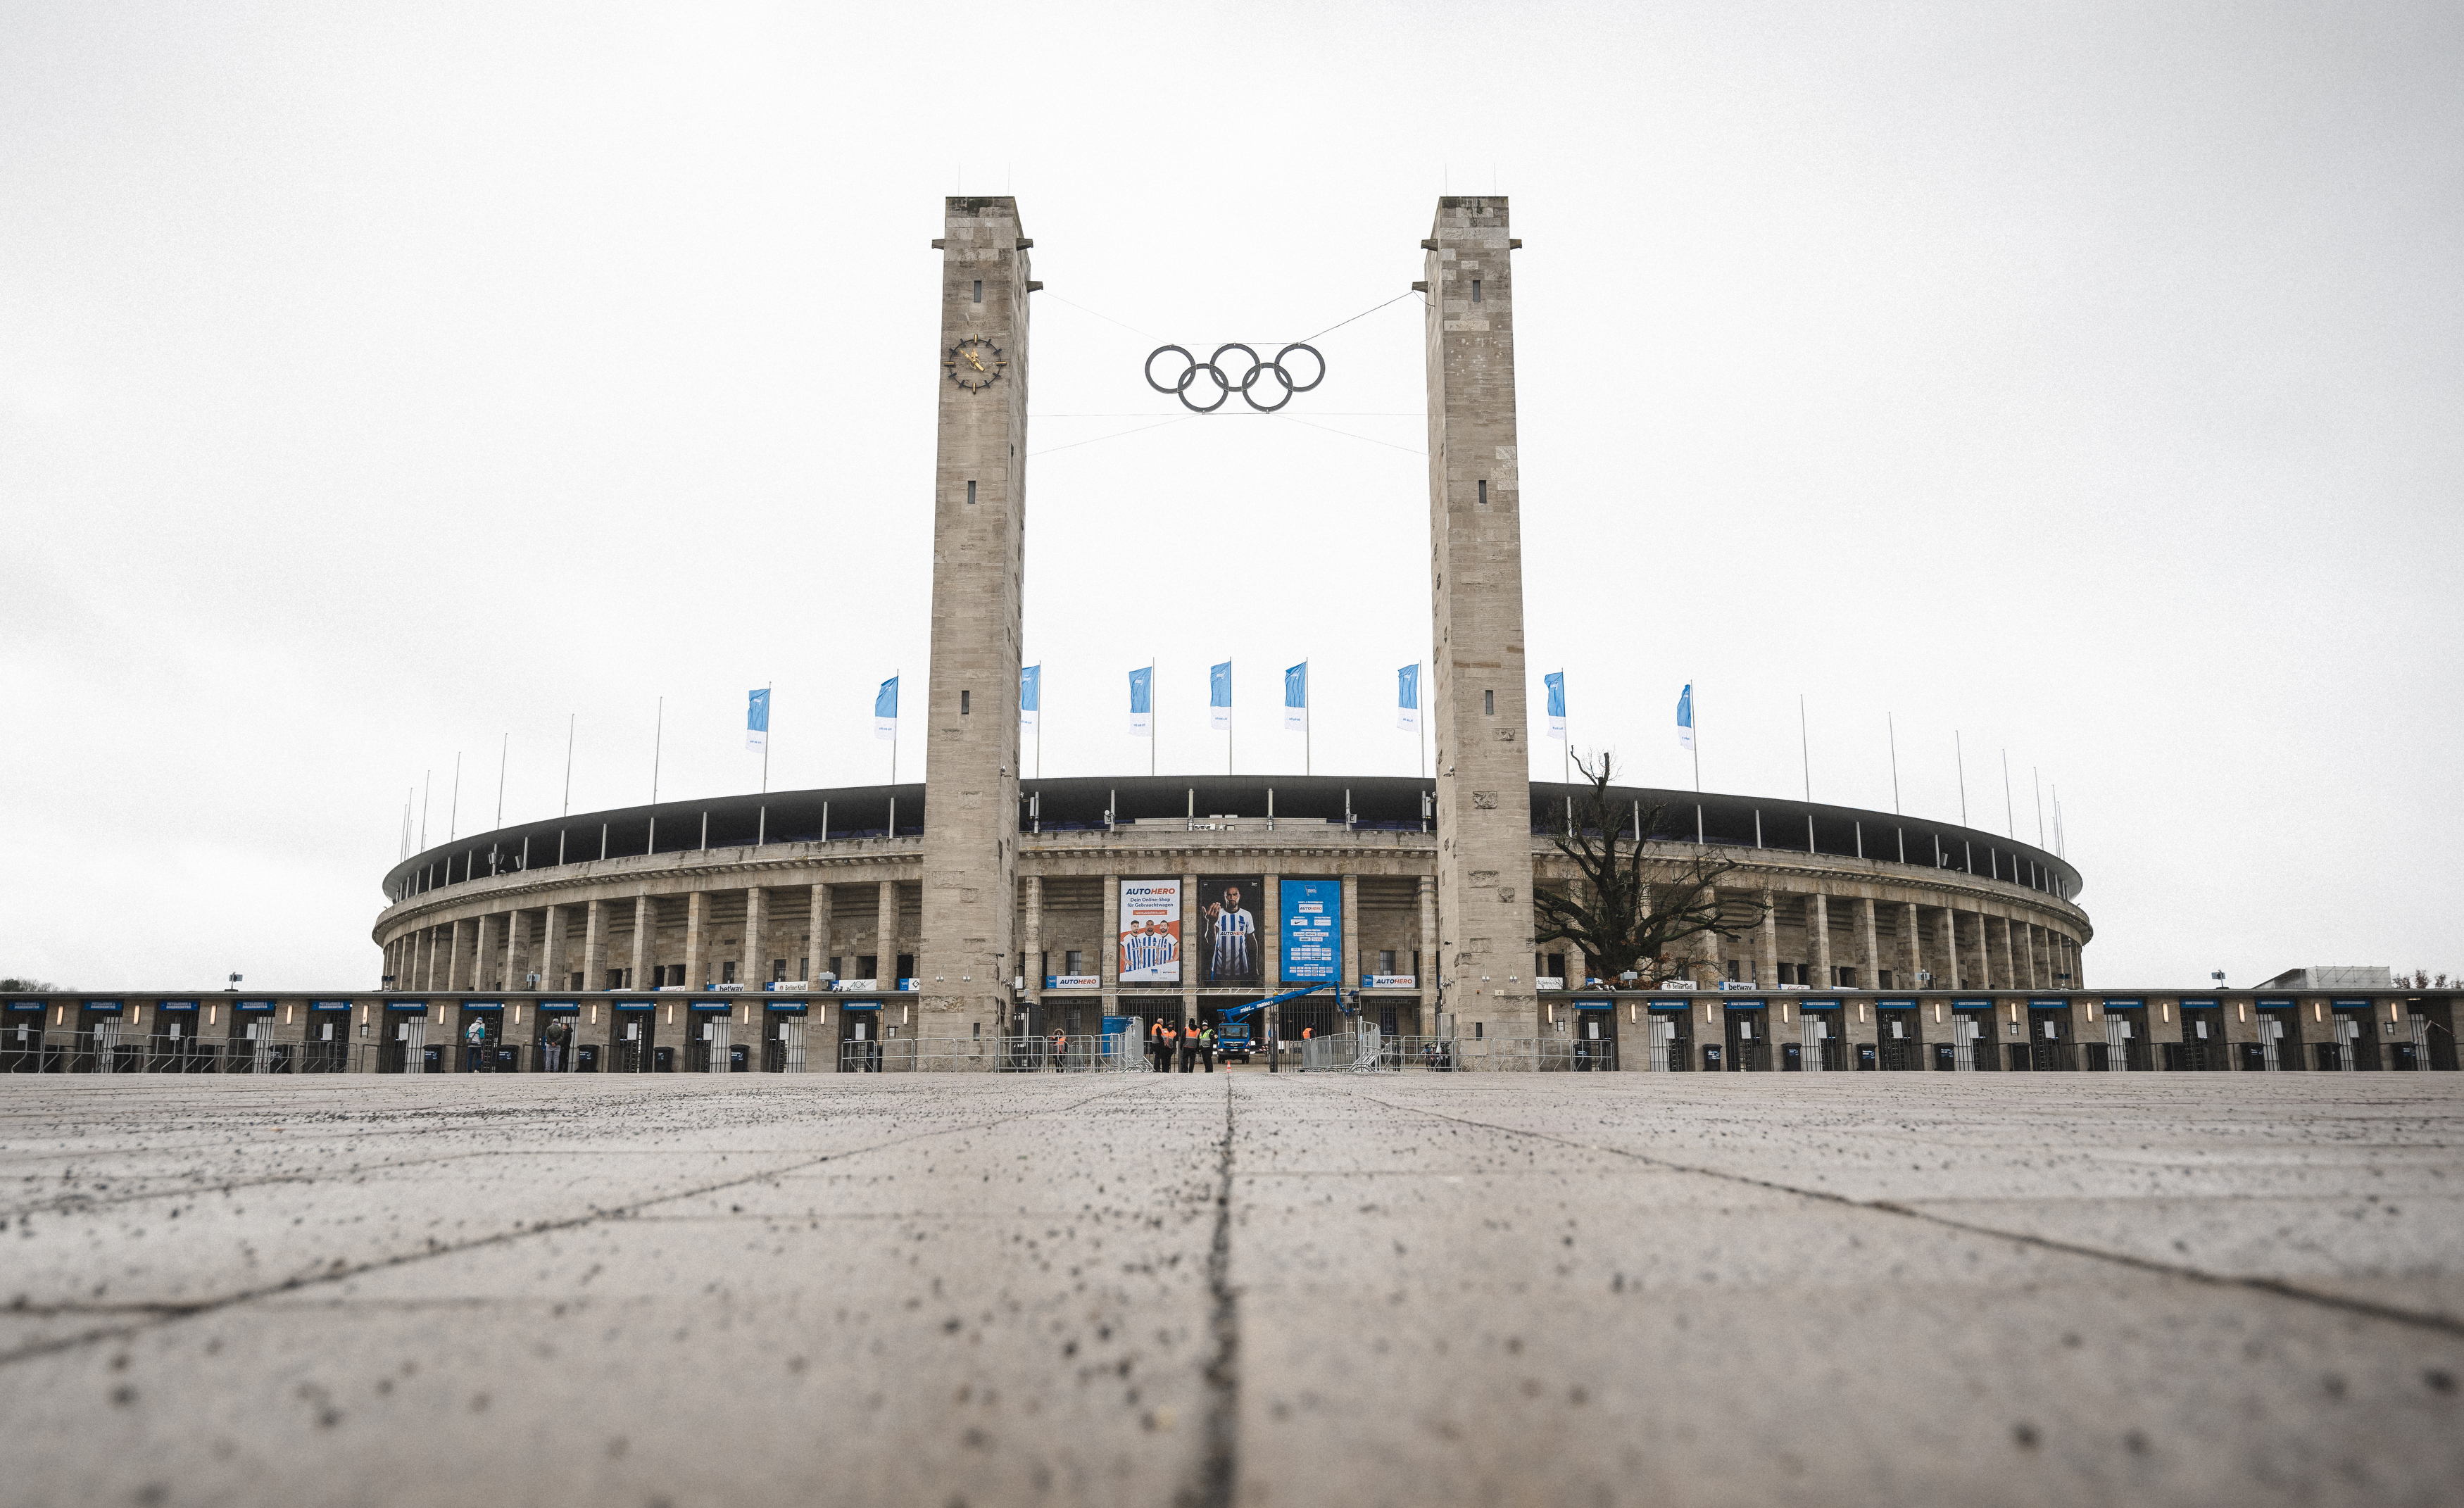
(483, 1005)
(329, 1005)
(2348, 1005)
(1895, 1005)
(1745, 1005)
(1817, 1005)
(559, 1008)
(636, 1005)
(861, 1005)
(1669, 1005)
(420, 1006)
(2275, 1005)
(25, 1005)
(2049, 1005)
(1313, 932)
(262, 1005)
(175, 1005)
(2125, 1005)
(2201, 1005)
(105, 1007)
(786, 1007)
(1971, 1005)
(1596, 1005)
(712, 1005)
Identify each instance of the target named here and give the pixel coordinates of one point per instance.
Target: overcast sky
(377, 383)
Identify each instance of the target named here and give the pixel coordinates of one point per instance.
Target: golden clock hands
(972, 361)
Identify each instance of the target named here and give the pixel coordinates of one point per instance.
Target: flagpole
(658, 731)
(502, 751)
(1307, 733)
(1805, 746)
(2010, 812)
(1959, 754)
(1155, 731)
(894, 675)
(767, 686)
(453, 808)
(1890, 725)
(424, 777)
(2038, 781)
(1419, 729)
(569, 719)
(1696, 707)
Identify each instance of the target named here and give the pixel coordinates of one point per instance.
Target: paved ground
(1420, 1291)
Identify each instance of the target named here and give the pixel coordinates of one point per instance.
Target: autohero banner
(1150, 925)
(1227, 938)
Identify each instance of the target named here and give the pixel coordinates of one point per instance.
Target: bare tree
(32, 986)
(1628, 912)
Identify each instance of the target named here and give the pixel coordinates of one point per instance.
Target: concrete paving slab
(1239, 1288)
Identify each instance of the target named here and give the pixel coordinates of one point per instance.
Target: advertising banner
(1312, 925)
(1150, 931)
(1228, 936)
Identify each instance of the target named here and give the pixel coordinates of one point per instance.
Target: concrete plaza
(1612, 1288)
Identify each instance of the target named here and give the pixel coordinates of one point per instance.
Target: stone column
(885, 940)
(1911, 946)
(552, 949)
(965, 936)
(1483, 762)
(1869, 952)
(2010, 960)
(1710, 946)
(1346, 958)
(646, 928)
(1950, 948)
(518, 950)
(696, 942)
(1818, 930)
(1108, 949)
(1188, 965)
(434, 941)
(454, 973)
(1425, 967)
(757, 938)
(594, 947)
(1767, 944)
(819, 957)
(1032, 966)
(481, 950)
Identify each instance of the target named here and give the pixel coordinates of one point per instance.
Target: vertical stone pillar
(696, 939)
(884, 935)
(1270, 948)
(1346, 958)
(1108, 953)
(481, 950)
(1950, 948)
(1869, 949)
(518, 950)
(431, 978)
(1817, 934)
(1476, 578)
(1911, 946)
(455, 976)
(1032, 965)
(2010, 960)
(966, 932)
(1710, 946)
(755, 971)
(1189, 969)
(646, 930)
(819, 957)
(1424, 968)
(553, 969)
(1767, 949)
(594, 947)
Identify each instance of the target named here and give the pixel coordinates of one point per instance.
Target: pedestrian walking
(475, 1036)
(1060, 1049)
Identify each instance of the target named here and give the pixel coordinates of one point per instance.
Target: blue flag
(1555, 682)
(1030, 695)
(1686, 718)
(1218, 697)
(1407, 698)
(757, 721)
(1296, 697)
(885, 710)
(1142, 702)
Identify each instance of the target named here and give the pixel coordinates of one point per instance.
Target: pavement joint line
(161, 1314)
(2275, 1286)
(1218, 1464)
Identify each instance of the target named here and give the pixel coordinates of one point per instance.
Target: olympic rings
(1224, 387)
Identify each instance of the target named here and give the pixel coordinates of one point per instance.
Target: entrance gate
(1595, 1035)
(1749, 1045)
(782, 1040)
(1666, 1049)
(1896, 1035)
(633, 1038)
(860, 1038)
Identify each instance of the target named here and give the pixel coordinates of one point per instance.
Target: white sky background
(2086, 380)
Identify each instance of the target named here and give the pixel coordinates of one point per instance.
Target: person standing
(1206, 1046)
(557, 1034)
(1158, 1047)
(474, 1037)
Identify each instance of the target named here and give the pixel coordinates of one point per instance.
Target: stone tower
(965, 953)
(1476, 591)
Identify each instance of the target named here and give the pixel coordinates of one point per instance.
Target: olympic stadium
(978, 920)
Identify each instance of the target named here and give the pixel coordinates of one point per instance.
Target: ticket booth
(327, 1049)
(174, 1049)
(2117, 1038)
(21, 1036)
(2202, 1048)
(480, 1037)
(2355, 1038)
(1823, 1036)
(1899, 1040)
(710, 1037)
(1748, 1034)
(782, 1036)
(1595, 1035)
(251, 1047)
(2279, 1048)
(404, 1047)
(556, 1037)
(860, 1036)
(633, 1040)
